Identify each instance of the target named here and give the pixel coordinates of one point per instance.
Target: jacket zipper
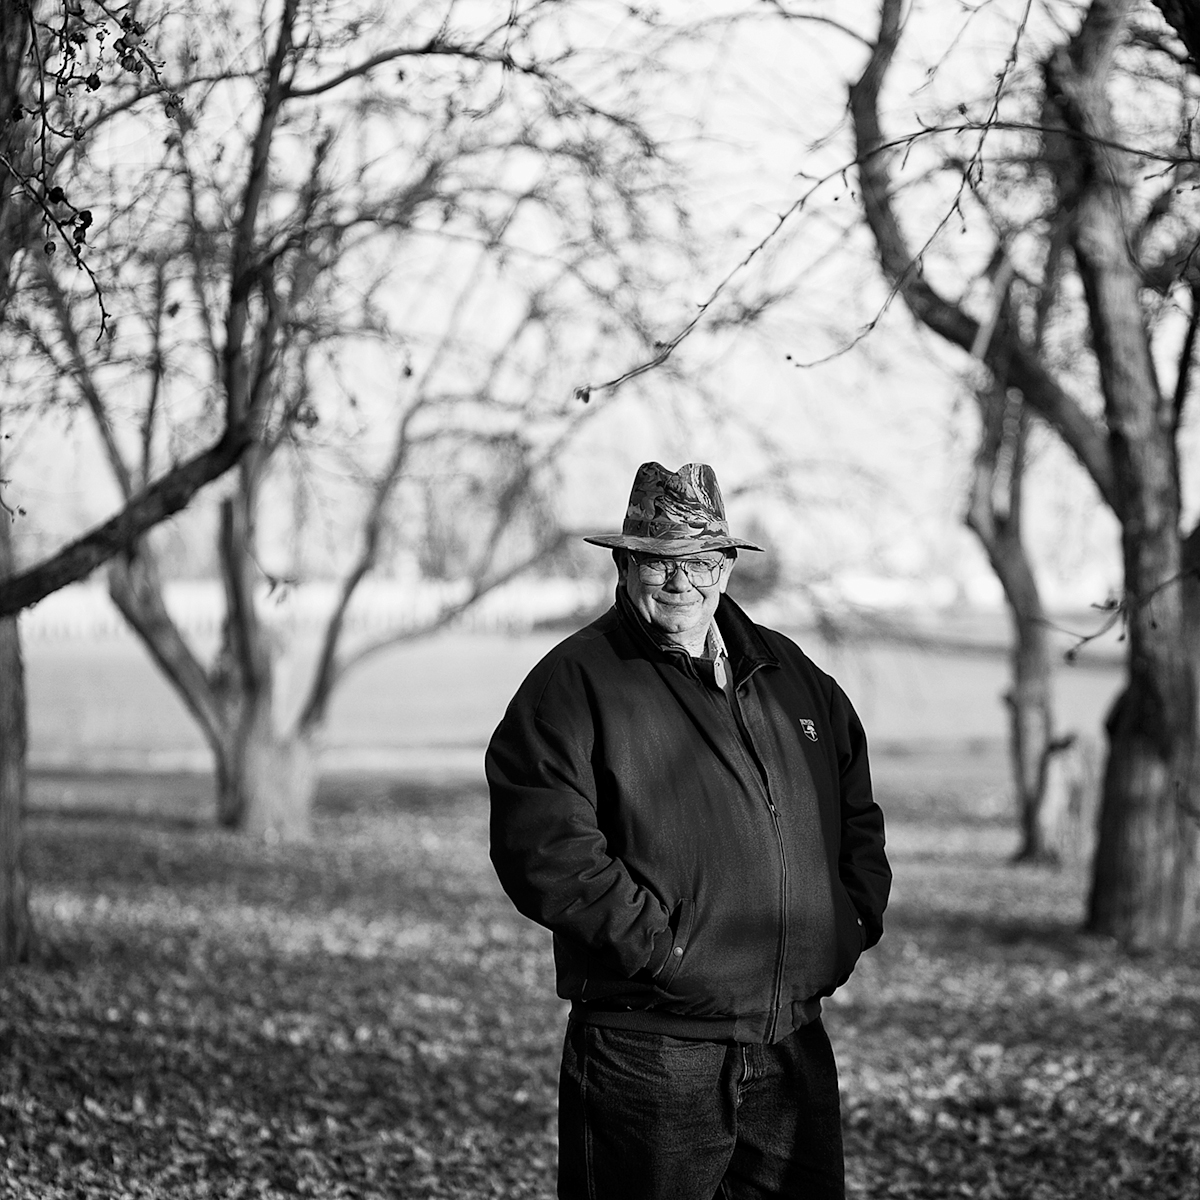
(777, 998)
(735, 711)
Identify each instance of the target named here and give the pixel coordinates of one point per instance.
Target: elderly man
(684, 799)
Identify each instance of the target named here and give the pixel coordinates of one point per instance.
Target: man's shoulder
(785, 646)
(762, 641)
(581, 652)
(592, 641)
(792, 657)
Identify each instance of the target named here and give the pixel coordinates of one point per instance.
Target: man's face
(665, 592)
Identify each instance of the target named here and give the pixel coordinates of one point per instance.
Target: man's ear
(620, 557)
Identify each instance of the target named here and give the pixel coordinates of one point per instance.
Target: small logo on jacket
(810, 730)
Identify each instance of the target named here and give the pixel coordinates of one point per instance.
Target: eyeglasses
(701, 572)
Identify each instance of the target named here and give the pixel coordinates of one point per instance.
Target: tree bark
(267, 783)
(16, 925)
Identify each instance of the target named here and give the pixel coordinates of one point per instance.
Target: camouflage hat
(673, 512)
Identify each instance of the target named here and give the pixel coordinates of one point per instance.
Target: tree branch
(163, 498)
(81, 374)
(1006, 356)
(481, 588)
(244, 269)
(137, 592)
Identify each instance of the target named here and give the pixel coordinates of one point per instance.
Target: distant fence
(85, 611)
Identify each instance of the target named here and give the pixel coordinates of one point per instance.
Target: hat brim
(671, 547)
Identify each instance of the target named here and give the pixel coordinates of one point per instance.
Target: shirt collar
(749, 651)
(714, 643)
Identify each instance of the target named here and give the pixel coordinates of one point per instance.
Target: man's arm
(546, 845)
(862, 864)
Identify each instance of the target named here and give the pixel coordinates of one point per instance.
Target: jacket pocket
(681, 926)
(851, 934)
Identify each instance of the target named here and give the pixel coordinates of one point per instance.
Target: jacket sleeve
(862, 863)
(547, 847)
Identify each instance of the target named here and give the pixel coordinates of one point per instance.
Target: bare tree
(994, 513)
(1098, 210)
(15, 924)
(57, 54)
(503, 208)
(45, 61)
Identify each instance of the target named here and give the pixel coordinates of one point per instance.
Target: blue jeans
(644, 1116)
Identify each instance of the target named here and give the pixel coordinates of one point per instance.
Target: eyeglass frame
(671, 565)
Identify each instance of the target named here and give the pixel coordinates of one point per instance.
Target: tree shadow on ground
(185, 798)
(377, 842)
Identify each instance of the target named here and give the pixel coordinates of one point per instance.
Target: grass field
(433, 704)
(366, 1016)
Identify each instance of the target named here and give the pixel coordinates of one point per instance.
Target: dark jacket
(708, 868)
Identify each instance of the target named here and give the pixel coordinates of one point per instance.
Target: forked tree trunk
(994, 515)
(16, 925)
(265, 781)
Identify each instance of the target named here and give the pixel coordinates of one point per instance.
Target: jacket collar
(747, 649)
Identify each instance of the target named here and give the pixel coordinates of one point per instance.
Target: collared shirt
(714, 643)
(716, 653)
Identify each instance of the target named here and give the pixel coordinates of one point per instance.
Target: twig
(35, 195)
(1118, 610)
(666, 348)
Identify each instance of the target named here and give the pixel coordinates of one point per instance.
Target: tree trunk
(1144, 882)
(16, 225)
(1031, 734)
(16, 926)
(994, 515)
(265, 781)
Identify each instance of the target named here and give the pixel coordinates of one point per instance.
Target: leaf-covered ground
(366, 1016)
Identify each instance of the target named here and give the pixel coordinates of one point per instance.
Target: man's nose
(677, 580)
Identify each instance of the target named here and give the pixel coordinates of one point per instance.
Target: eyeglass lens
(700, 571)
